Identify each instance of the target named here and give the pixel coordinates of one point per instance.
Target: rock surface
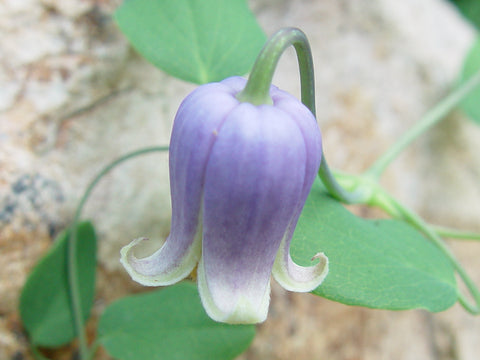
(74, 96)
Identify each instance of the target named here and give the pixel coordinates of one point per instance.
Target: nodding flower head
(239, 175)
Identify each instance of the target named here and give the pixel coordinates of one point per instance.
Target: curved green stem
(257, 90)
(354, 196)
(455, 234)
(432, 117)
(258, 86)
(397, 210)
(74, 286)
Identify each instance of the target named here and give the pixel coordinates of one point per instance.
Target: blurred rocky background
(74, 96)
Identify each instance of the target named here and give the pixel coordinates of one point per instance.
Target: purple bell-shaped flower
(239, 175)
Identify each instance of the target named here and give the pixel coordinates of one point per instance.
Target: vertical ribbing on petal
(253, 180)
(193, 135)
(289, 275)
(243, 172)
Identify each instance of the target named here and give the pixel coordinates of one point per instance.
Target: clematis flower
(240, 175)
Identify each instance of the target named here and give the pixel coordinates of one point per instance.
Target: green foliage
(45, 300)
(382, 264)
(195, 40)
(169, 324)
(471, 65)
(470, 9)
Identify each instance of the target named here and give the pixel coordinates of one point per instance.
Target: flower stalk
(73, 281)
(257, 89)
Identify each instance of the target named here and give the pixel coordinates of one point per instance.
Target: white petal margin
(293, 277)
(239, 312)
(150, 271)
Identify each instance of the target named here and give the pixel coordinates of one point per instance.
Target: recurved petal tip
(162, 267)
(294, 277)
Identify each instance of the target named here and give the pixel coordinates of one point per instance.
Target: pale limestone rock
(69, 8)
(74, 96)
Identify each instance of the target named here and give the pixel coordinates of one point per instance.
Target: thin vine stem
(257, 89)
(73, 281)
(431, 118)
(356, 196)
(455, 234)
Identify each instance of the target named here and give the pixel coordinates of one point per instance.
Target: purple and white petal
(294, 277)
(239, 175)
(154, 270)
(194, 132)
(253, 180)
(291, 276)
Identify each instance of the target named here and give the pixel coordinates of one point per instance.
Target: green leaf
(169, 324)
(45, 301)
(382, 264)
(471, 65)
(195, 40)
(470, 9)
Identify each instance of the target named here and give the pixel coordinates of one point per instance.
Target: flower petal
(288, 274)
(243, 312)
(194, 133)
(158, 269)
(235, 84)
(298, 278)
(253, 184)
